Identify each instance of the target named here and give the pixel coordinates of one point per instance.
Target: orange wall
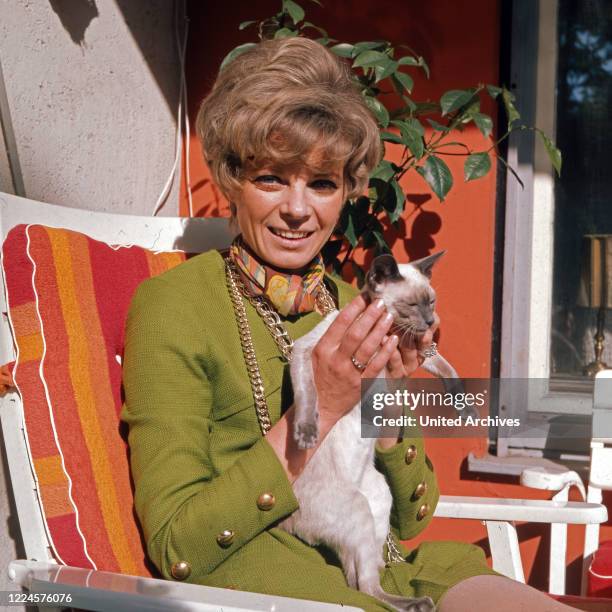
(460, 41)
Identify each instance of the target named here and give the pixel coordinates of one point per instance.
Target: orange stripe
(161, 262)
(30, 347)
(25, 319)
(82, 325)
(49, 470)
(55, 500)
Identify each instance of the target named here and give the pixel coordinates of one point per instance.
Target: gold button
(420, 490)
(225, 538)
(266, 501)
(180, 570)
(411, 454)
(423, 512)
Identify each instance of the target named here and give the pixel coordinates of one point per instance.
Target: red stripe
(57, 375)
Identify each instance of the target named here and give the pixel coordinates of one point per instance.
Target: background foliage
(380, 67)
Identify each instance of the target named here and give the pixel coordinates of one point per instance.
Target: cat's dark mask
(385, 269)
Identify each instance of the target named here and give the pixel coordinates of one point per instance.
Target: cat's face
(405, 290)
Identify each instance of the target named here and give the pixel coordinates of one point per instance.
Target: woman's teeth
(291, 235)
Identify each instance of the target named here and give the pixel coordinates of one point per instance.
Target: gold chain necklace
(273, 322)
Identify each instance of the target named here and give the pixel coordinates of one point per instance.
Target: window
(561, 67)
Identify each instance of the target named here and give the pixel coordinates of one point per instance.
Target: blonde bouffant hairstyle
(279, 102)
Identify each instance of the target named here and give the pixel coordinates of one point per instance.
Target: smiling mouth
(290, 234)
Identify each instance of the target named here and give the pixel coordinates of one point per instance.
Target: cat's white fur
(345, 501)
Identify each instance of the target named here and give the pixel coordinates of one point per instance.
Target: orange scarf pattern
(289, 293)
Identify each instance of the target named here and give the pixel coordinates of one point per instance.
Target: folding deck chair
(67, 288)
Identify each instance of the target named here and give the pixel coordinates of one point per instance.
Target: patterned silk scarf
(289, 293)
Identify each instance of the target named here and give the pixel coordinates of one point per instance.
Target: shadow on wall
(75, 17)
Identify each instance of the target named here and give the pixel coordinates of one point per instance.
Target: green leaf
(410, 105)
(403, 81)
(476, 166)
(494, 91)
(384, 171)
(426, 108)
(454, 99)
(370, 58)
(412, 136)
(484, 123)
(407, 60)
(296, 12)
(424, 66)
(438, 126)
(234, 53)
(359, 273)
(317, 2)
(308, 24)
(343, 50)
(390, 137)
(511, 112)
(554, 154)
(381, 243)
(363, 46)
(347, 226)
(331, 249)
(394, 202)
(246, 24)
(379, 110)
(383, 71)
(285, 33)
(437, 175)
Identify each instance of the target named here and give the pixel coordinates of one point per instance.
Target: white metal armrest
(531, 510)
(107, 591)
(499, 516)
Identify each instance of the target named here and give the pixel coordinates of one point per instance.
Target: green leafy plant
(378, 67)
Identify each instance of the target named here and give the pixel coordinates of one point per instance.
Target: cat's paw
(306, 434)
(412, 604)
(420, 604)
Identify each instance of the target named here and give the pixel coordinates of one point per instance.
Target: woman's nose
(296, 204)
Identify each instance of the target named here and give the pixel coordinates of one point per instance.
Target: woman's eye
(413, 304)
(268, 179)
(323, 184)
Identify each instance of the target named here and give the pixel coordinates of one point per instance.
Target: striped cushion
(68, 297)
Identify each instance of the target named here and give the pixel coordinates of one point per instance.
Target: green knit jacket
(200, 463)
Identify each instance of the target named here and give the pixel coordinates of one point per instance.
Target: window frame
(527, 287)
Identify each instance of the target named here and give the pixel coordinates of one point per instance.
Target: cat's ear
(384, 268)
(425, 264)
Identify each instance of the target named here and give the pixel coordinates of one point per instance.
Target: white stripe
(44, 382)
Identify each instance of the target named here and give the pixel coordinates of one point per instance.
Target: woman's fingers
(380, 360)
(342, 322)
(359, 330)
(371, 343)
(395, 366)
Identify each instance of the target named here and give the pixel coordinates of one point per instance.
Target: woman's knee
(480, 593)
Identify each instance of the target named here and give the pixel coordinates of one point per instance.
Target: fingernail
(379, 303)
(394, 339)
(388, 317)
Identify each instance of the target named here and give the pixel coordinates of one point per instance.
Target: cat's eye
(413, 304)
(432, 302)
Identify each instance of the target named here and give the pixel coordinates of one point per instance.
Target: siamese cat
(344, 500)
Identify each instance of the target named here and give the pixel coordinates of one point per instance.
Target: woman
(288, 139)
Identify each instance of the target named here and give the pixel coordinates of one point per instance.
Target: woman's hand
(359, 331)
(408, 358)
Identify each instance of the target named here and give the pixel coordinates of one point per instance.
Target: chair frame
(96, 590)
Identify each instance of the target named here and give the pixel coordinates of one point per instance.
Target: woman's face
(287, 214)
